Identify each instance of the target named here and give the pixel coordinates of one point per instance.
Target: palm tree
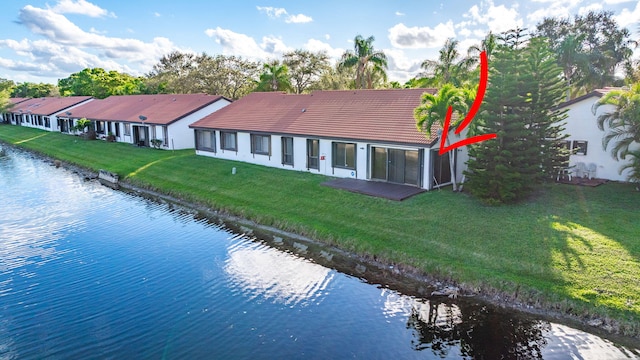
(369, 63)
(573, 60)
(449, 68)
(433, 110)
(488, 45)
(623, 123)
(275, 77)
(634, 167)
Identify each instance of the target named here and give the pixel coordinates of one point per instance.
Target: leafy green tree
(184, 73)
(451, 67)
(229, 76)
(589, 48)
(432, 112)
(7, 85)
(100, 84)
(622, 123)
(335, 78)
(33, 90)
(305, 68)
(5, 103)
(368, 62)
(172, 74)
(275, 77)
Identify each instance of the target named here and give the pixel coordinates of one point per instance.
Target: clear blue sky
(43, 41)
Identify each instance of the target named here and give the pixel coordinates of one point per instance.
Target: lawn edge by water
(174, 173)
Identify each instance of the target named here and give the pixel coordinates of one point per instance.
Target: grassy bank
(573, 249)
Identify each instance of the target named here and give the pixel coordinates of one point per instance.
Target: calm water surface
(89, 272)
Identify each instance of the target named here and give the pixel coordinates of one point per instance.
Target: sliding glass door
(395, 165)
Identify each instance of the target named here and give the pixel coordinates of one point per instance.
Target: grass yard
(574, 249)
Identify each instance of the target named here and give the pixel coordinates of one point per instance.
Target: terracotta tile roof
(161, 109)
(375, 115)
(48, 105)
(17, 100)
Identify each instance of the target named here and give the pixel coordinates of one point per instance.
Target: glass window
(206, 140)
(228, 141)
(344, 155)
(165, 135)
(313, 150)
(580, 147)
(261, 144)
(127, 129)
(287, 151)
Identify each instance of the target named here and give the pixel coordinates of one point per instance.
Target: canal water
(90, 272)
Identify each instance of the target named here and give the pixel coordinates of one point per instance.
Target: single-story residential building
(589, 158)
(7, 116)
(41, 112)
(141, 119)
(360, 134)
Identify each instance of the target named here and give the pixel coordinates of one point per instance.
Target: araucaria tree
(525, 86)
(370, 64)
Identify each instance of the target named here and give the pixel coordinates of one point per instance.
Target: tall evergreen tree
(546, 92)
(525, 85)
(497, 169)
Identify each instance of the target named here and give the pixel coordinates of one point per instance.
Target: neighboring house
(7, 116)
(361, 134)
(139, 119)
(585, 139)
(41, 112)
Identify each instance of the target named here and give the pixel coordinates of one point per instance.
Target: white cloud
(82, 7)
(274, 46)
(415, 37)
(243, 45)
(66, 48)
(496, 18)
(96, 31)
(401, 67)
(614, 2)
(60, 30)
(556, 9)
(317, 46)
(591, 7)
(627, 17)
(398, 60)
(276, 13)
(272, 12)
(298, 19)
(398, 13)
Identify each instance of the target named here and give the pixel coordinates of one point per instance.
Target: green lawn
(574, 249)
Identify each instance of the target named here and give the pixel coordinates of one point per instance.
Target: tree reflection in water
(475, 331)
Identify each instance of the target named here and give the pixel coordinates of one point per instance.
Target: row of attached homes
(361, 134)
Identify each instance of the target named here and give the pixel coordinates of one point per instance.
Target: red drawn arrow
(482, 88)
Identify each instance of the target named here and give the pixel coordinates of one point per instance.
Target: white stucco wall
(582, 125)
(300, 156)
(180, 135)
